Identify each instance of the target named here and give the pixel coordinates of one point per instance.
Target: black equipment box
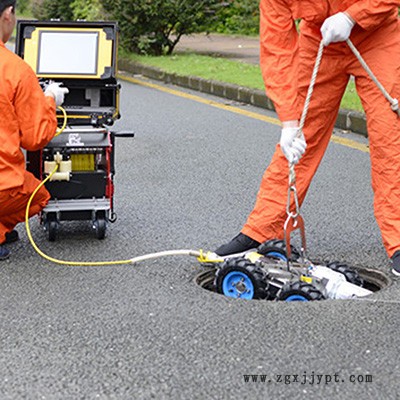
(83, 56)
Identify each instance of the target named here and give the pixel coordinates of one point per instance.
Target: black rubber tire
(52, 231)
(301, 289)
(51, 225)
(277, 246)
(255, 273)
(100, 227)
(349, 273)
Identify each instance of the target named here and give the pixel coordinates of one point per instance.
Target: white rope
(394, 103)
(311, 87)
(292, 174)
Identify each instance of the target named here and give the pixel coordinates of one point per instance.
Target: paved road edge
(347, 120)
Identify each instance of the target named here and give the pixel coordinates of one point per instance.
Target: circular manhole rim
(374, 277)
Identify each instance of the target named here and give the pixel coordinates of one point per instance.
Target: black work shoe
(396, 263)
(11, 237)
(4, 253)
(239, 244)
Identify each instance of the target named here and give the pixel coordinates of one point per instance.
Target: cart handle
(123, 134)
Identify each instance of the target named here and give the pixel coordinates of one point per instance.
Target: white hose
(193, 253)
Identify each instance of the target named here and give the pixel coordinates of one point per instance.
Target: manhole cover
(373, 280)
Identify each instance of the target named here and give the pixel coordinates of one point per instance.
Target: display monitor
(68, 53)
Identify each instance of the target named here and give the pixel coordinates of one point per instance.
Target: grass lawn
(224, 70)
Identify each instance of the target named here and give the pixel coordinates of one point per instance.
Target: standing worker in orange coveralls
(27, 120)
(287, 61)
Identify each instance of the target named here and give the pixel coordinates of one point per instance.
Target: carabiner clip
(293, 222)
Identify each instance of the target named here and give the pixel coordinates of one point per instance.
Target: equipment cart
(83, 56)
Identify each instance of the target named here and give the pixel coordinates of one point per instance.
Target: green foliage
(156, 26)
(237, 17)
(47, 9)
(23, 5)
(90, 10)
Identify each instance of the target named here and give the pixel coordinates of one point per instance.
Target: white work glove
(54, 90)
(336, 28)
(292, 147)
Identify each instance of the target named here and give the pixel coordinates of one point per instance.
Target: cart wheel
(52, 231)
(276, 248)
(51, 226)
(239, 278)
(300, 291)
(349, 273)
(100, 227)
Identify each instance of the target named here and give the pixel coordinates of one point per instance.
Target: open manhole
(240, 276)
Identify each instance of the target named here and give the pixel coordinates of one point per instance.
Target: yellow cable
(64, 125)
(145, 257)
(55, 260)
(201, 256)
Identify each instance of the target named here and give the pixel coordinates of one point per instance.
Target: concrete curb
(347, 120)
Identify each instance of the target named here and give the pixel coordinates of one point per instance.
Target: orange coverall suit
(27, 120)
(287, 60)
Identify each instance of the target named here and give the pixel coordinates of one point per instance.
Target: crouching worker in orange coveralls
(287, 61)
(28, 121)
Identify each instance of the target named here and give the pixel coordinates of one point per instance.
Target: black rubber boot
(11, 237)
(396, 263)
(237, 245)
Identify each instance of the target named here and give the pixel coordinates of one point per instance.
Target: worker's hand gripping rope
(337, 28)
(292, 146)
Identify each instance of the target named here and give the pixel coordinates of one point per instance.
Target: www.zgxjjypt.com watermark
(308, 378)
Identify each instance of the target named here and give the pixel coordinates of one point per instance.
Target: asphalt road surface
(187, 181)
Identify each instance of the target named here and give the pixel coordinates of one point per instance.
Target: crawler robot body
(266, 274)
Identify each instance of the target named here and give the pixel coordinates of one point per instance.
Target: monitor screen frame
(27, 46)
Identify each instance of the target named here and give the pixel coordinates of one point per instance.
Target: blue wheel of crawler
(238, 285)
(296, 297)
(241, 279)
(274, 254)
